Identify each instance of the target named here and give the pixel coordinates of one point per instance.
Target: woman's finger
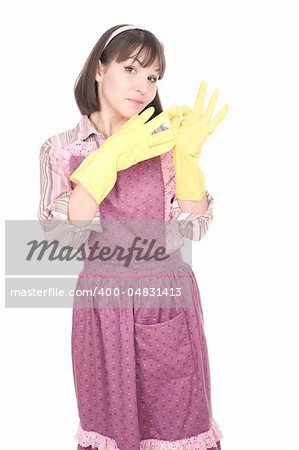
(164, 137)
(144, 116)
(138, 118)
(165, 115)
(212, 103)
(220, 116)
(200, 99)
(175, 122)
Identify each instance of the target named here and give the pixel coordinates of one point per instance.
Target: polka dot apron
(139, 352)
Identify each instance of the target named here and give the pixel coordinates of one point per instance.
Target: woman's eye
(129, 68)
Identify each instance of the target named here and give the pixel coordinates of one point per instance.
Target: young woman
(124, 189)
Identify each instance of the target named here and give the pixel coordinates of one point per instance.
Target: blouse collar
(86, 128)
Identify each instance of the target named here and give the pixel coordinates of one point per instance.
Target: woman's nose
(142, 86)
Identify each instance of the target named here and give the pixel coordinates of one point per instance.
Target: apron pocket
(163, 350)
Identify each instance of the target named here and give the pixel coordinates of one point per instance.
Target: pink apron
(139, 352)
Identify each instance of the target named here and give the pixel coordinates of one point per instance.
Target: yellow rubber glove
(132, 143)
(194, 130)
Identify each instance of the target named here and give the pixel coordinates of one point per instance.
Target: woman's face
(126, 88)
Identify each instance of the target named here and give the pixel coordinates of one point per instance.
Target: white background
(245, 265)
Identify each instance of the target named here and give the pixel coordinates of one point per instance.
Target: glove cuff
(189, 179)
(97, 173)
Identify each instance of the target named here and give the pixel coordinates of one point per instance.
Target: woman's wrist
(194, 206)
(189, 180)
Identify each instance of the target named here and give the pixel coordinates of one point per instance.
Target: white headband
(125, 28)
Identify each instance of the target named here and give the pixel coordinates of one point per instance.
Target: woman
(123, 183)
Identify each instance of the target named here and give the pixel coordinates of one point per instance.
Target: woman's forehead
(145, 54)
(143, 58)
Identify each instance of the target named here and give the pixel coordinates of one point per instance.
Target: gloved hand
(132, 143)
(194, 130)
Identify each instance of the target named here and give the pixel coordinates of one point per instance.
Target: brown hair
(120, 48)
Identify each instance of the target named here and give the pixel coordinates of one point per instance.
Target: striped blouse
(56, 188)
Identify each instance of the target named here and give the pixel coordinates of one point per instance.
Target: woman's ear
(99, 72)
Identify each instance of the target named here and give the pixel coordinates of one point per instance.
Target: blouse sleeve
(193, 225)
(55, 191)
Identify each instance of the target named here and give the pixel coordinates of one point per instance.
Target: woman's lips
(135, 102)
